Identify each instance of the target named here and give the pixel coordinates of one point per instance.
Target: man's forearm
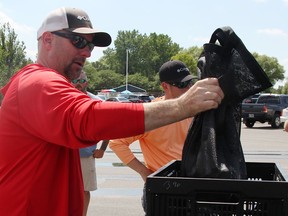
(154, 118)
(140, 168)
(104, 145)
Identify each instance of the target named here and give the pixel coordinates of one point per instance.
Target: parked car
(136, 100)
(101, 96)
(284, 115)
(267, 108)
(151, 97)
(139, 98)
(95, 97)
(118, 99)
(251, 99)
(145, 98)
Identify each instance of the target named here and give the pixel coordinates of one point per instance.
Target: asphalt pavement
(120, 188)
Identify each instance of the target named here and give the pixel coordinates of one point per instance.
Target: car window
(122, 99)
(132, 96)
(273, 100)
(269, 99)
(285, 99)
(145, 97)
(263, 99)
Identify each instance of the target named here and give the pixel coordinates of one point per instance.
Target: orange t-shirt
(158, 146)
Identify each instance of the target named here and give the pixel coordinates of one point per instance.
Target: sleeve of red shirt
(61, 114)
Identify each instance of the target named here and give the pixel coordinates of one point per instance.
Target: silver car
(284, 115)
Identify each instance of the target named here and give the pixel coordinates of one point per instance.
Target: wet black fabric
(212, 147)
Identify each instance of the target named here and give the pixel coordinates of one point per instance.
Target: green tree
(145, 53)
(271, 66)
(105, 79)
(281, 89)
(108, 61)
(139, 80)
(284, 89)
(115, 58)
(12, 53)
(102, 78)
(162, 49)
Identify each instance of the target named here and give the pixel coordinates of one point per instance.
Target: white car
(95, 97)
(119, 99)
(284, 115)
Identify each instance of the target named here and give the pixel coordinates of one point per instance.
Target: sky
(262, 25)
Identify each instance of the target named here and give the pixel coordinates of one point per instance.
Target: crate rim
(275, 164)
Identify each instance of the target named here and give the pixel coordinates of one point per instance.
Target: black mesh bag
(212, 147)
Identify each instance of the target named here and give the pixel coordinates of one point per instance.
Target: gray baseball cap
(76, 21)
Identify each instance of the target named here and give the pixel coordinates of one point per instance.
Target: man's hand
(204, 95)
(98, 153)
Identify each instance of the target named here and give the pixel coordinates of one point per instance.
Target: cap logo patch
(182, 69)
(83, 18)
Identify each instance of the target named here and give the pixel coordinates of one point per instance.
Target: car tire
(276, 123)
(249, 123)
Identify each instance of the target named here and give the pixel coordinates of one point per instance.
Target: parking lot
(120, 188)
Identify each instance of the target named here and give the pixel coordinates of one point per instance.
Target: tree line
(145, 55)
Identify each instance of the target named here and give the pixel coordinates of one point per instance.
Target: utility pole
(127, 55)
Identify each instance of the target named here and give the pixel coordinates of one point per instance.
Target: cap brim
(101, 39)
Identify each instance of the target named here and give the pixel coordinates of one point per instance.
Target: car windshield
(145, 97)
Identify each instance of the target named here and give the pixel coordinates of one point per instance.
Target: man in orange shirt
(163, 144)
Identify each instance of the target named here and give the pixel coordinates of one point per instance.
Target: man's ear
(164, 85)
(47, 38)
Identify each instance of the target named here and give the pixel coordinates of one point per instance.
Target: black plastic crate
(265, 193)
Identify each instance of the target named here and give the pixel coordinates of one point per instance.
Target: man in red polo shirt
(44, 120)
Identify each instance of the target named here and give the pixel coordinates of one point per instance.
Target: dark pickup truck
(267, 108)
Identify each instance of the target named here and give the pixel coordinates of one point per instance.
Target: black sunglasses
(79, 81)
(182, 85)
(77, 40)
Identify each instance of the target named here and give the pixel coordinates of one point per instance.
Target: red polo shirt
(44, 120)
